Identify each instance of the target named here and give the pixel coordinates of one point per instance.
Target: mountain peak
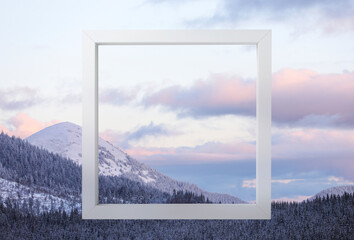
(63, 138)
(61, 125)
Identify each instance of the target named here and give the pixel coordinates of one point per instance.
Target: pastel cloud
(124, 139)
(209, 152)
(299, 97)
(237, 9)
(285, 181)
(22, 125)
(18, 98)
(115, 96)
(148, 130)
(304, 96)
(325, 15)
(217, 96)
(251, 183)
(315, 150)
(283, 9)
(340, 180)
(319, 143)
(293, 151)
(296, 198)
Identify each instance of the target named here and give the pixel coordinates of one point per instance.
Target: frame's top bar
(176, 37)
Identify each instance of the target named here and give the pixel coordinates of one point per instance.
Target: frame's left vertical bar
(89, 126)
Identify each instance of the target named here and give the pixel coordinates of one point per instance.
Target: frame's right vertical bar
(264, 83)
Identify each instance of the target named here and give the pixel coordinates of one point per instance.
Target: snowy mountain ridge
(338, 190)
(65, 140)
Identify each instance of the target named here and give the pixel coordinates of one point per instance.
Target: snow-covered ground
(42, 201)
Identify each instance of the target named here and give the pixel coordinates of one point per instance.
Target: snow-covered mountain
(339, 190)
(65, 140)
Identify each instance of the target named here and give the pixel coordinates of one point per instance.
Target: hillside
(65, 140)
(339, 190)
(320, 219)
(28, 172)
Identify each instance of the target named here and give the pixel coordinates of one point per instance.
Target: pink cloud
(298, 94)
(297, 198)
(141, 152)
(302, 97)
(316, 149)
(313, 142)
(209, 152)
(112, 136)
(217, 95)
(22, 125)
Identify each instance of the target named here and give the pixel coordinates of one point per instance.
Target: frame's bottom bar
(175, 211)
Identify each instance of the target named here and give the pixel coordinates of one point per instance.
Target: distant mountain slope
(339, 190)
(65, 140)
(28, 172)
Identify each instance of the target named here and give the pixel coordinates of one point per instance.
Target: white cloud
(339, 180)
(252, 182)
(249, 183)
(285, 181)
(298, 198)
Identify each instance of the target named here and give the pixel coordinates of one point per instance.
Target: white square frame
(91, 209)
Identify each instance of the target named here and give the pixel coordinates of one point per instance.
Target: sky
(192, 117)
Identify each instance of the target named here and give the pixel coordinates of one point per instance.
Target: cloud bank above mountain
(299, 97)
